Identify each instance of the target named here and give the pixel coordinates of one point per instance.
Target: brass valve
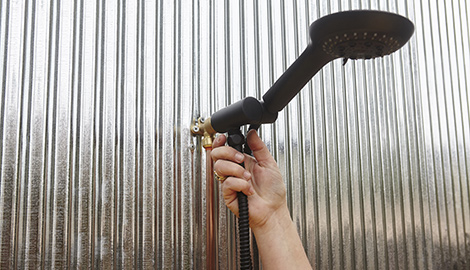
(204, 128)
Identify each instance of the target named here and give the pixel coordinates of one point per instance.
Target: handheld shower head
(358, 34)
(350, 34)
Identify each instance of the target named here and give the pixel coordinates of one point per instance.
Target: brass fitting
(204, 128)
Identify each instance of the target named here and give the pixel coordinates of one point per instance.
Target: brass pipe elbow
(204, 128)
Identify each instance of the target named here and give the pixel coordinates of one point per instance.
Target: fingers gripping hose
(236, 140)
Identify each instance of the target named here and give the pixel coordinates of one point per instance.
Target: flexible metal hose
(244, 232)
(236, 140)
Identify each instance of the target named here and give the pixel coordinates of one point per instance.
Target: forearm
(279, 243)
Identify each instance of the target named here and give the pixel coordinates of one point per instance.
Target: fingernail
(251, 191)
(247, 175)
(239, 157)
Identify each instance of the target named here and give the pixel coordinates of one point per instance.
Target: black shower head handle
(295, 78)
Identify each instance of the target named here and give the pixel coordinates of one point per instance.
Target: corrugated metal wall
(99, 169)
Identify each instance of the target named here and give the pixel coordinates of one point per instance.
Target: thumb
(259, 149)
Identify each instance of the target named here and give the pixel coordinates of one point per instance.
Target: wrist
(279, 243)
(277, 222)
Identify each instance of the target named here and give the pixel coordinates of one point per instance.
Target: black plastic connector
(246, 111)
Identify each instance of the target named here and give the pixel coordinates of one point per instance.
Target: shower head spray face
(361, 34)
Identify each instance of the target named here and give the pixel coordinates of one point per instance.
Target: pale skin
(278, 242)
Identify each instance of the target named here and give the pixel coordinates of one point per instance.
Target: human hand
(260, 180)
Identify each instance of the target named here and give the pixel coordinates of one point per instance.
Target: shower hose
(236, 140)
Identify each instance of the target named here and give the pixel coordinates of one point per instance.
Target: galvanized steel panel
(99, 168)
